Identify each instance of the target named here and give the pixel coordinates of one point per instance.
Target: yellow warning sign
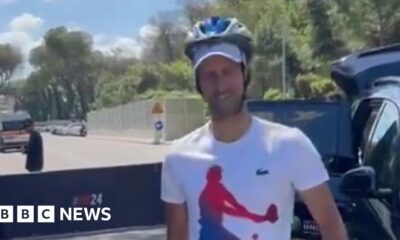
(157, 108)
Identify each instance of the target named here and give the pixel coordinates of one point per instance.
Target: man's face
(221, 82)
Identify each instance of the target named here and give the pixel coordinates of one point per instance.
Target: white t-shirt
(244, 189)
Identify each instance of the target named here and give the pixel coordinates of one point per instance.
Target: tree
(168, 44)
(274, 94)
(196, 10)
(10, 58)
(313, 86)
(177, 76)
(67, 63)
(368, 23)
(326, 43)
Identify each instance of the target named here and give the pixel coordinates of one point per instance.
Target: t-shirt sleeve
(171, 188)
(308, 170)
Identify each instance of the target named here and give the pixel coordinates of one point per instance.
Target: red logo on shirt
(215, 201)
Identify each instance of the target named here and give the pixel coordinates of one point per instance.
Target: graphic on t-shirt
(215, 201)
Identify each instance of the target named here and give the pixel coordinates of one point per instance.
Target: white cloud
(124, 46)
(148, 31)
(25, 22)
(7, 1)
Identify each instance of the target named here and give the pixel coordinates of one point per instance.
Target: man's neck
(232, 128)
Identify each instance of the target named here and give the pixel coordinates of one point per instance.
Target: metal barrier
(131, 193)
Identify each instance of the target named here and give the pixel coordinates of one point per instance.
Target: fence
(181, 115)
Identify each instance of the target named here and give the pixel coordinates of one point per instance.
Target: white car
(76, 129)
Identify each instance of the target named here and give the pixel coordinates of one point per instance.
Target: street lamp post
(284, 60)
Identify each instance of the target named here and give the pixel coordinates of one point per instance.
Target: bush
(313, 86)
(274, 94)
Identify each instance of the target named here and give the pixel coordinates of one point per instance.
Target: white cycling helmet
(225, 35)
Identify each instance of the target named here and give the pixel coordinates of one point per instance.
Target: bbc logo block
(25, 214)
(6, 214)
(46, 214)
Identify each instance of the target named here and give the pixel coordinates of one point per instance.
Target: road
(63, 152)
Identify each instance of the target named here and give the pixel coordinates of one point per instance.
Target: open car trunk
(357, 72)
(327, 124)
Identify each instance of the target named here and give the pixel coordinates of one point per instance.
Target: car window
(364, 117)
(13, 125)
(369, 123)
(378, 152)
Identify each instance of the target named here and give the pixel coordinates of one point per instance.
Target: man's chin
(223, 113)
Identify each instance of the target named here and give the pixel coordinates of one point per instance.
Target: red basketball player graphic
(215, 201)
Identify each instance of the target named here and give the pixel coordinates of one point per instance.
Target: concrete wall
(183, 116)
(136, 120)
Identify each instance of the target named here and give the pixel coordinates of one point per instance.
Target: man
(34, 157)
(236, 176)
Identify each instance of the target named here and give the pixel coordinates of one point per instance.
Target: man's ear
(196, 81)
(247, 75)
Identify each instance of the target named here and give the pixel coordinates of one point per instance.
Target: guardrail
(130, 192)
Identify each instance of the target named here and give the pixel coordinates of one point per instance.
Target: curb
(129, 140)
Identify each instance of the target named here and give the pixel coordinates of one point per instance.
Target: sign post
(158, 123)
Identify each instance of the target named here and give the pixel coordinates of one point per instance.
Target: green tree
(274, 94)
(177, 75)
(313, 86)
(167, 44)
(10, 58)
(67, 63)
(368, 23)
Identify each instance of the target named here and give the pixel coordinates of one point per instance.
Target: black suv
(359, 141)
(372, 79)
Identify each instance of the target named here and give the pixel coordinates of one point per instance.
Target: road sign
(157, 108)
(158, 125)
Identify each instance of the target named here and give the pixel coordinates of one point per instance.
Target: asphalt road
(63, 152)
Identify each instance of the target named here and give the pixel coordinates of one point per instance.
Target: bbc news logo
(86, 207)
(47, 214)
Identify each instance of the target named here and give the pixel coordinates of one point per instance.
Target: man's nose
(221, 84)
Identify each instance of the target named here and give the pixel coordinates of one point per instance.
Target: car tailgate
(327, 124)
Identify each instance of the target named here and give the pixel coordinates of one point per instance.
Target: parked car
(372, 79)
(13, 135)
(76, 129)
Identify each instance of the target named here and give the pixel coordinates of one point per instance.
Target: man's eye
(211, 76)
(227, 71)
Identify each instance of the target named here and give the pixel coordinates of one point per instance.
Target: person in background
(34, 154)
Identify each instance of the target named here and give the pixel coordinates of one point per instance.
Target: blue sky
(111, 23)
(118, 17)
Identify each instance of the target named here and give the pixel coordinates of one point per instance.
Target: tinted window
(364, 117)
(378, 152)
(13, 126)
